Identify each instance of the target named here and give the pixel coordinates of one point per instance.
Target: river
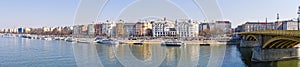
(21, 52)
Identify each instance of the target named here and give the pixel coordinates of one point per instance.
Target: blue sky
(39, 13)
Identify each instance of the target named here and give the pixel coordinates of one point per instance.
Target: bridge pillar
(260, 54)
(248, 44)
(260, 40)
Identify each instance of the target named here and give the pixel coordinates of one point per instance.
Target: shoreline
(89, 39)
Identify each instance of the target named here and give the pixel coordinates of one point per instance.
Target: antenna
(277, 17)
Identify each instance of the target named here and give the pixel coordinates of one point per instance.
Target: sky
(52, 13)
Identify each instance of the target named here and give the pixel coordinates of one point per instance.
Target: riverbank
(91, 40)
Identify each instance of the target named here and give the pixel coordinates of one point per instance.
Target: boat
(107, 41)
(173, 43)
(47, 38)
(139, 43)
(83, 41)
(97, 39)
(70, 40)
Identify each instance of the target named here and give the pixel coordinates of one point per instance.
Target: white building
(91, 29)
(76, 30)
(46, 29)
(223, 27)
(129, 31)
(108, 28)
(162, 28)
(287, 25)
(186, 28)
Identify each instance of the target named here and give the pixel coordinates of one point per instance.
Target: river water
(21, 52)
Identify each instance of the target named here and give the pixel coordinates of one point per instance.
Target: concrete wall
(260, 54)
(244, 43)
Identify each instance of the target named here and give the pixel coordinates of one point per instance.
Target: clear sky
(39, 13)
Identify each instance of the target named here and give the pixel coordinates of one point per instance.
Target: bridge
(272, 45)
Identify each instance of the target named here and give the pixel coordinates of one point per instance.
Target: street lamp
(298, 19)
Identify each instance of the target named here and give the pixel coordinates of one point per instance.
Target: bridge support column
(260, 40)
(260, 54)
(248, 44)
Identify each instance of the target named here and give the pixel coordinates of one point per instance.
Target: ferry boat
(107, 41)
(139, 43)
(70, 40)
(97, 40)
(83, 41)
(173, 43)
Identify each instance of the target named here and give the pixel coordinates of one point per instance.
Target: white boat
(70, 40)
(173, 43)
(107, 41)
(83, 41)
(139, 42)
(47, 38)
(98, 40)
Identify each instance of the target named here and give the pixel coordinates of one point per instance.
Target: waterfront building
(162, 27)
(6, 30)
(83, 29)
(286, 25)
(2, 31)
(80, 30)
(20, 30)
(46, 29)
(108, 28)
(206, 28)
(27, 30)
(120, 31)
(254, 26)
(128, 29)
(76, 29)
(186, 28)
(91, 29)
(36, 31)
(239, 29)
(223, 27)
(98, 29)
(143, 28)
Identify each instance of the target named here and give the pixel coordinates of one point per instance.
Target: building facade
(98, 29)
(143, 28)
(255, 26)
(108, 28)
(286, 25)
(186, 28)
(128, 29)
(91, 29)
(120, 28)
(223, 27)
(162, 28)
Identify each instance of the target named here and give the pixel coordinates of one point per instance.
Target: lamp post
(298, 19)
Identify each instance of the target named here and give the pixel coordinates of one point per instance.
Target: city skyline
(31, 13)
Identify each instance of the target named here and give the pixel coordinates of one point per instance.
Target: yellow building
(120, 29)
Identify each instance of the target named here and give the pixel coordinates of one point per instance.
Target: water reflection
(141, 52)
(107, 56)
(204, 56)
(140, 55)
(172, 57)
(26, 52)
(247, 55)
(154, 55)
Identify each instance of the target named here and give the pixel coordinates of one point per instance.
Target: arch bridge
(273, 38)
(272, 45)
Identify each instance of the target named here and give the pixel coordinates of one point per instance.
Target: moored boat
(173, 43)
(107, 41)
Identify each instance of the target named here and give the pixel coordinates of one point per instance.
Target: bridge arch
(251, 38)
(281, 42)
